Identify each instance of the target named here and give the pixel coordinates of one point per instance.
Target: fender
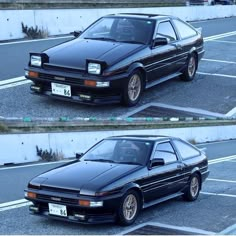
(134, 66)
(129, 186)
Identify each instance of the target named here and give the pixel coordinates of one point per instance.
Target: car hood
(75, 52)
(84, 176)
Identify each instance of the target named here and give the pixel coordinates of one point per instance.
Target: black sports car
(116, 58)
(117, 178)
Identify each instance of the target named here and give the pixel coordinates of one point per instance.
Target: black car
(116, 59)
(117, 178)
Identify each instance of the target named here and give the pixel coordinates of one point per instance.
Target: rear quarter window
(184, 30)
(185, 150)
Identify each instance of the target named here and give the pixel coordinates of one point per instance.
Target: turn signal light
(85, 203)
(91, 83)
(31, 195)
(33, 74)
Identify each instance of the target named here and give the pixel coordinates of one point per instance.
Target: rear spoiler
(199, 30)
(203, 150)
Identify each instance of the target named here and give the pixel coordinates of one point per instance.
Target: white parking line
(14, 204)
(220, 61)
(219, 194)
(168, 226)
(221, 159)
(223, 41)
(217, 75)
(38, 164)
(219, 36)
(222, 180)
(36, 40)
(9, 83)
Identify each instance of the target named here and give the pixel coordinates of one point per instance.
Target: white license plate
(61, 89)
(58, 210)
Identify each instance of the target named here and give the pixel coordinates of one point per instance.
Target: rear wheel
(133, 89)
(129, 208)
(190, 71)
(193, 189)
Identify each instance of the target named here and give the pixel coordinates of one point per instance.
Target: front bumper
(80, 93)
(76, 215)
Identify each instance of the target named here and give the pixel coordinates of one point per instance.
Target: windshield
(121, 29)
(120, 151)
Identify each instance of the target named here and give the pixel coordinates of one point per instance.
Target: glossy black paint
(67, 63)
(108, 182)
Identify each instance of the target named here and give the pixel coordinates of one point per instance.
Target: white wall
(63, 21)
(20, 148)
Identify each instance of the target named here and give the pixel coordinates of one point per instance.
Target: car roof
(141, 15)
(142, 137)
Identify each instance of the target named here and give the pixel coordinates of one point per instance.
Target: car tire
(193, 189)
(133, 89)
(129, 208)
(190, 71)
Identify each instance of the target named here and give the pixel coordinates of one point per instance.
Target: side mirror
(78, 155)
(157, 162)
(160, 42)
(76, 33)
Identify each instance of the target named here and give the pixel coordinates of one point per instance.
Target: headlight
(94, 68)
(35, 61)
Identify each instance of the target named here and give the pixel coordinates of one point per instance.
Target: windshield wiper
(131, 41)
(130, 163)
(102, 38)
(101, 160)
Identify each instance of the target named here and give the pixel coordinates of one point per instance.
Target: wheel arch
(196, 171)
(137, 188)
(140, 67)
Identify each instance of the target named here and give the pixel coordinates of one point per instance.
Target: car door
(186, 35)
(163, 57)
(166, 179)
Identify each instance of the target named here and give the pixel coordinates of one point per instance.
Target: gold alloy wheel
(134, 87)
(194, 186)
(191, 66)
(130, 207)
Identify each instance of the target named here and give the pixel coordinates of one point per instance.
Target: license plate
(58, 210)
(61, 89)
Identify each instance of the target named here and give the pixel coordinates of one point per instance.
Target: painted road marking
(39, 164)
(220, 61)
(221, 159)
(217, 75)
(14, 204)
(9, 83)
(222, 180)
(36, 40)
(219, 36)
(224, 41)
(219, 194)
(161, 225)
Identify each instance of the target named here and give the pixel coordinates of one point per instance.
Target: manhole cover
(157, 230)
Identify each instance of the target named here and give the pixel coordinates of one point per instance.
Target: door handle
(178, 46)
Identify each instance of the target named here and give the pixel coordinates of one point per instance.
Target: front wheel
(129, 208)
(193, 189)
(190, 71)
(133, 89)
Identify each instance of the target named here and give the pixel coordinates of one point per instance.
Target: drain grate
(157, 111)
(157, 230)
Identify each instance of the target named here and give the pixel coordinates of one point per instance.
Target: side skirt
(163, 199)
(163, 79)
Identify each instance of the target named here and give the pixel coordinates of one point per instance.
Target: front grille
(53, 199)
(69, 80)
(59, 190)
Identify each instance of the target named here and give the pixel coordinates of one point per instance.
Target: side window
(166, 29)
(185, 150)
(165, 151)
(184, 30)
